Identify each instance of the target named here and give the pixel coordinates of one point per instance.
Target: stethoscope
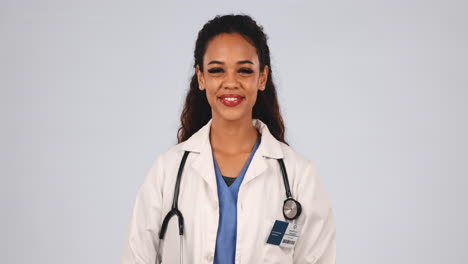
(291, 208)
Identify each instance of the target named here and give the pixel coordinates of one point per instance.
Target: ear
(201, 80)
(264, 78)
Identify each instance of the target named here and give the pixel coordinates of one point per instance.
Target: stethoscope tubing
(175, 202)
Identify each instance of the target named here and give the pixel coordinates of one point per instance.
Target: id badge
(284, 234)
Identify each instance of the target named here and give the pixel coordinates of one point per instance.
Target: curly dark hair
(197, 112)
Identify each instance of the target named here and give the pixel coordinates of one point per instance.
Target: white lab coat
(260, 203)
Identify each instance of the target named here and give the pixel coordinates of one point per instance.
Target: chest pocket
(273, 254)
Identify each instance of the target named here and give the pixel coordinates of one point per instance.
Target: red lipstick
(231, 100)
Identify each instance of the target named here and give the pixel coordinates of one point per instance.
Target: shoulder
(303, 173)
(164, 161)
(297, 161)
(172, 152)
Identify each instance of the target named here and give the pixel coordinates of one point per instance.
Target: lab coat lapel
(257, 167)
(269, 148)
(199, 146)
(203, 165)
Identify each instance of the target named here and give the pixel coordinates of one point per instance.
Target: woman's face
(231, 76)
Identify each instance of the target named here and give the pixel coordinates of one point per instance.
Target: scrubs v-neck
(227, 227)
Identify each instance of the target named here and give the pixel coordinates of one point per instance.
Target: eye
(215, 70)
(246, 70)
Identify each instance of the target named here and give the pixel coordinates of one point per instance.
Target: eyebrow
(239, 62)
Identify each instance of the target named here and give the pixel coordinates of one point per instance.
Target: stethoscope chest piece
(291, 209)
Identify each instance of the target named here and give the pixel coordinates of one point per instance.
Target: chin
(231, 115)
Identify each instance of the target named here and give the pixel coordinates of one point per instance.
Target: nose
(230, 81)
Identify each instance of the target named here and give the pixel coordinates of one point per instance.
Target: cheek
(211, 96)
(252, 90)
(253, 97)
(212, 81)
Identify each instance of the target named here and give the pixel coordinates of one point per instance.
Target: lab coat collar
(199, 143)
(269, 147)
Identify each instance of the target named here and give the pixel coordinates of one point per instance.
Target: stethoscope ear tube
(175, 203)
(285, 178)
(180, 220)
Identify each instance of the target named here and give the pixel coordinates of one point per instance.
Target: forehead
(230, 47)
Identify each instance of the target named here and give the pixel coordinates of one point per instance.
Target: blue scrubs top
(225, 252)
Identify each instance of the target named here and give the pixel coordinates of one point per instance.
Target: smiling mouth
(231, 100)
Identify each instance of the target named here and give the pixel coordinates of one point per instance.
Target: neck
(232, 137)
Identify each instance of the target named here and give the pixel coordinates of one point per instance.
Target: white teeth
(231, 98)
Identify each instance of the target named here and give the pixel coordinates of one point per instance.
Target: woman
(218, 196)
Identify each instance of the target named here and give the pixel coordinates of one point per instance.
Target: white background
(374, 92)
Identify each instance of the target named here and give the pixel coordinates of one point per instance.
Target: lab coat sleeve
(317, 243)
(142, 239)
